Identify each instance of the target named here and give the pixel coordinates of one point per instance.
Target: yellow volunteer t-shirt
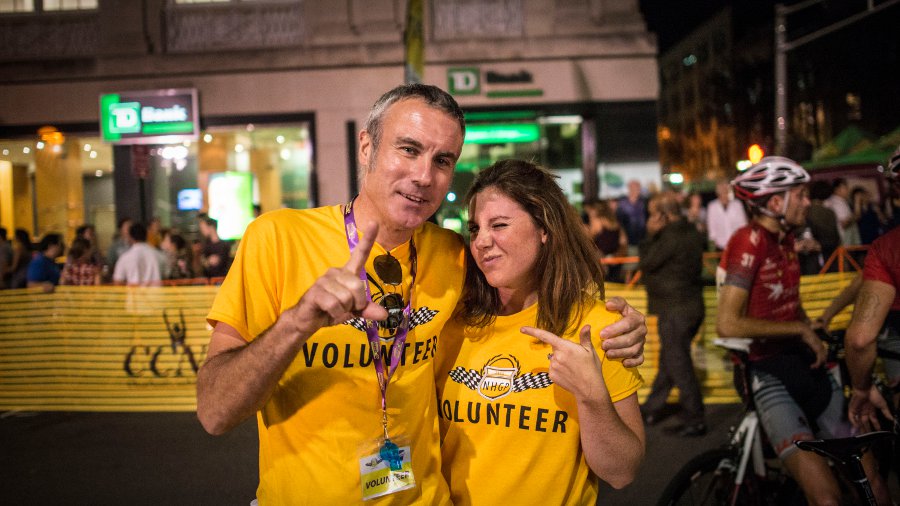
(328, 404)
(510, 436)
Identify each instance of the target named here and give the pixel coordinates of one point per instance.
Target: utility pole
(783, 46)
(780, 79)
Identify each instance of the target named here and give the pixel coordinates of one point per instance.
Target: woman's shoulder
(595, 314)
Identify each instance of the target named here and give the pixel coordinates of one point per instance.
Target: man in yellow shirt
(294, 338)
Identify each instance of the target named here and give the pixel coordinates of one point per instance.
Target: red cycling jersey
(883, 263)
(756, 261)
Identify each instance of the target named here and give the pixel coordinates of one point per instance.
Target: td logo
(125, 118)
(464, 81)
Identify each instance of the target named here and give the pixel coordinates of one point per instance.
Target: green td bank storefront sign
(149, 117)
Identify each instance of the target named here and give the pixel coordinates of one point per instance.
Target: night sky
(671, 20)
(862, 58)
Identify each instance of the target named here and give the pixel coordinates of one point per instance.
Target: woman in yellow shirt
(531, 409)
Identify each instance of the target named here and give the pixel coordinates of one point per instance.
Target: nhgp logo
(499, 377)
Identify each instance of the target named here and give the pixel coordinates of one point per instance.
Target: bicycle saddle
(844, 449)
(740, 344)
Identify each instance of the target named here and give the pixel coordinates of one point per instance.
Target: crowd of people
(839, 216)
(138, 254)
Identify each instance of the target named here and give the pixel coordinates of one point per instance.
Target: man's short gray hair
(431, 95)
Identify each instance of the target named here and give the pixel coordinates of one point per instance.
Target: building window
(56, 181)
(184, 2)
(69, 5)
(46, 5)
(16, 5)
(274, 160)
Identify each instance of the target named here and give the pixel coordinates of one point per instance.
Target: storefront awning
(854, 146)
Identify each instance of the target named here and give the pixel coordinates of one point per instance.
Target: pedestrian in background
(81, 267)
(671, 265)
(22, 253)
(154, 232)
(695, 212)
(607, 234)
(724, 215)
(89, 233)
(179, 260)
(140, 264)
(839, 203)
(42, 270)
(631, 212)
(6, 259)
(120, 243)
(216, 253)
(869, 220)
(822, 225)
(892, 206)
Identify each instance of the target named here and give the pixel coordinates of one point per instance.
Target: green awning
(854, 146)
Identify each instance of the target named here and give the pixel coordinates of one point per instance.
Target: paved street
(167, 458)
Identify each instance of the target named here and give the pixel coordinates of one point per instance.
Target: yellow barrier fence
(102, 348)
(137, 349)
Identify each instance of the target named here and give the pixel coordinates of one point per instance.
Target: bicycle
(720, 476)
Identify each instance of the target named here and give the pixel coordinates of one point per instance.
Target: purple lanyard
(372, 326)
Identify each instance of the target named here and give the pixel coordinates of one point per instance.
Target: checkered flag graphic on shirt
(421, 316)
(418, 317)
(528, 381)
(472, 378)
(358, 323)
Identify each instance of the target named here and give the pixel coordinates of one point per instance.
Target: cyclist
(760, 299)
(876, 315)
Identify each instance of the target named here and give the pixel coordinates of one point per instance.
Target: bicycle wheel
(707, 479)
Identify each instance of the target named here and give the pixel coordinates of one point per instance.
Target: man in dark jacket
(671, 261)
(823, 225)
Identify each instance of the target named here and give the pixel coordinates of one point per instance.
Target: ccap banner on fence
(102, 348)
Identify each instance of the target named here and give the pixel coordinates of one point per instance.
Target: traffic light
(755, 153)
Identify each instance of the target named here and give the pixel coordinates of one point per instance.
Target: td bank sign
(494, 83)
(149, 117)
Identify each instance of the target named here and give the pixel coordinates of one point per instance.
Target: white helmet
(773, 174)
(892, 171)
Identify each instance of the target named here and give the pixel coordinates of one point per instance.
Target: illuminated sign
(468, 81)
(190, 199)
(230, 197)
(522, 76)
(464, 81)
(502, 133)
(149, 117)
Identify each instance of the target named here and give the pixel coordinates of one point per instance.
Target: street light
(755, 153)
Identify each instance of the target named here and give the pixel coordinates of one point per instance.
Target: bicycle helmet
(892, 170)
(773, 174)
